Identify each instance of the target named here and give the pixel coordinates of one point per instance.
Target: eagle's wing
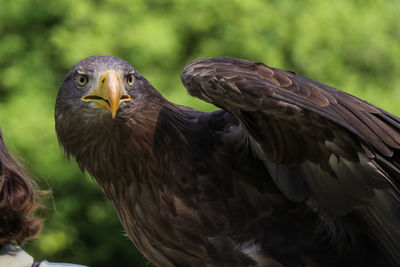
(319, 144)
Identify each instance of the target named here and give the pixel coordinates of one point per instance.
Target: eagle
(288, 172)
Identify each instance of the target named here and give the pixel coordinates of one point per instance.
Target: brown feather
(291, 172)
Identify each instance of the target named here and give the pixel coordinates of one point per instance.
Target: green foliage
(353, 45)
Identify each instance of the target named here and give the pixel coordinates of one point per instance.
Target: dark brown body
(209, 189)
(198, 205)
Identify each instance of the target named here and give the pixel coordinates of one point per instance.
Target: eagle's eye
(130, 79)
(82, 79)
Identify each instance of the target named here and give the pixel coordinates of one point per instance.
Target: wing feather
(342, 153)
(241, 84)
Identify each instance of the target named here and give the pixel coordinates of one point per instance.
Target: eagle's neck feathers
(130, 149)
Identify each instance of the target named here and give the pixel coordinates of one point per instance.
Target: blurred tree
(352, 45)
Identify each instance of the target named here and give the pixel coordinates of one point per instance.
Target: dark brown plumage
(290, 172)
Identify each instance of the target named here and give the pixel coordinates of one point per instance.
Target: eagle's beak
(109, 93)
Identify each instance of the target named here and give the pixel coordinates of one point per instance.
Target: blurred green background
(352, 45)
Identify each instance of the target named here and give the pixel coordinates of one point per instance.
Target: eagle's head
(100, 86)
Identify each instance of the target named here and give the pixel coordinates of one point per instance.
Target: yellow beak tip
(109, 93)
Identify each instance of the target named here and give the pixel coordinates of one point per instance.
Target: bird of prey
(289, 172)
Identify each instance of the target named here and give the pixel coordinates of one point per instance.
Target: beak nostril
(125, 97)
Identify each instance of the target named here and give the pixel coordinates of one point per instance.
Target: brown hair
(17, 201)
